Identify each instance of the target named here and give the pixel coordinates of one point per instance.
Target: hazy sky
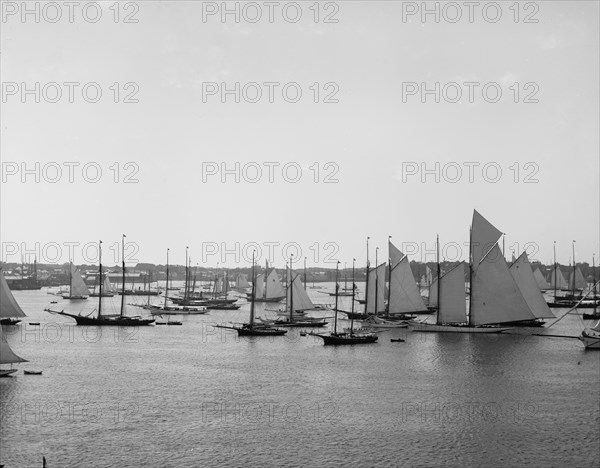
(372, 144)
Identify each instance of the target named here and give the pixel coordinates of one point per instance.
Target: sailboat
(590, 337)
(120, 320)
(77, 288)
(107, 289)
(594, 290)
(7, 356)
(345, 291)
(296, 303)
(495, 298)
(375, 303)
(241, 283)
(167, 309)
(541, 281)
(526, 281)
(403, 293)
(268, 287)
(10, 311)
(351, 337)
(252, 328)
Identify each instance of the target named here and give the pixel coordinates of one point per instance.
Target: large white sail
(259, 290)
(299, 295)
(107, 285)
(404, 293)
(241, 281)
(483, 238)
(376, 287)
(7, 355)
(78, 287)
(452, 291)
(580, 282)
(495, 296)
(525, 279)
(541, 281)
(274, 288)
(8, 306)
(557, 280)
(433, 294)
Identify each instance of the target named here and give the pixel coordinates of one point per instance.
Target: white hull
(432, 327)
(5, 372)
(590, 339)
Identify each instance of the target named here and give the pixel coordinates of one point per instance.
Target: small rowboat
(32, 372)
(398, 340)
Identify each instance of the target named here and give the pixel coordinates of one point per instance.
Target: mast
(305, 273)
(573, 287)
(470, 321)
(367, 281)
(167, 281)
(100, 274)
(595, 286)
(187, 274)
(291, 286)
(353, 292)
(266, 278)
(345, 277)
(123, 275)
(253, 293)
(555, 271)
(336, 298)
(376, 281)
(70, 277)
(387, 309)
(437, 257)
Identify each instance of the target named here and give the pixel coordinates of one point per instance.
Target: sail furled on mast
(376, 286)
(404, 293)
(526, 281)
(8, 305)
(78, 287)
(452, 305)
(495, 296)
(483, 238)
(7, 355)
(540, 280)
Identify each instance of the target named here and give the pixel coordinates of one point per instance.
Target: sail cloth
(8, 306)
(483, 238)
(541, 281)
(525, 279)
(259, 290)
(299, 296)
(452, 307)
(273, 287)
(78, 287)
(376, 291)
(7, 355)
(557, 280)
(107, 285)
(404, 294)
(241, 281)
(580, 282)
(433, 294)
(495, 296)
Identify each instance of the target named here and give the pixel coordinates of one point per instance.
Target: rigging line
(573, 308)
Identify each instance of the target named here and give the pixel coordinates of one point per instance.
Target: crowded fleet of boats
(487, 294)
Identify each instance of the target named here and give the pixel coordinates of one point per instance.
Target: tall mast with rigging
(123, 275)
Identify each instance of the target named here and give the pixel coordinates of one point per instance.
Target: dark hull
(9, 321)
(75, 298)
(591, 316)
(300, 324)
(347, 339)
(103, 295)
(223, 307)
(355, 315)
(523, 323)
(260, 331)
(569, 304)
(119, 321)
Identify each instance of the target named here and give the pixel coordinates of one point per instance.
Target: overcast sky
(375, 139)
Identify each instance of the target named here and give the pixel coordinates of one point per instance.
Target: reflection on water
(197, 395)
